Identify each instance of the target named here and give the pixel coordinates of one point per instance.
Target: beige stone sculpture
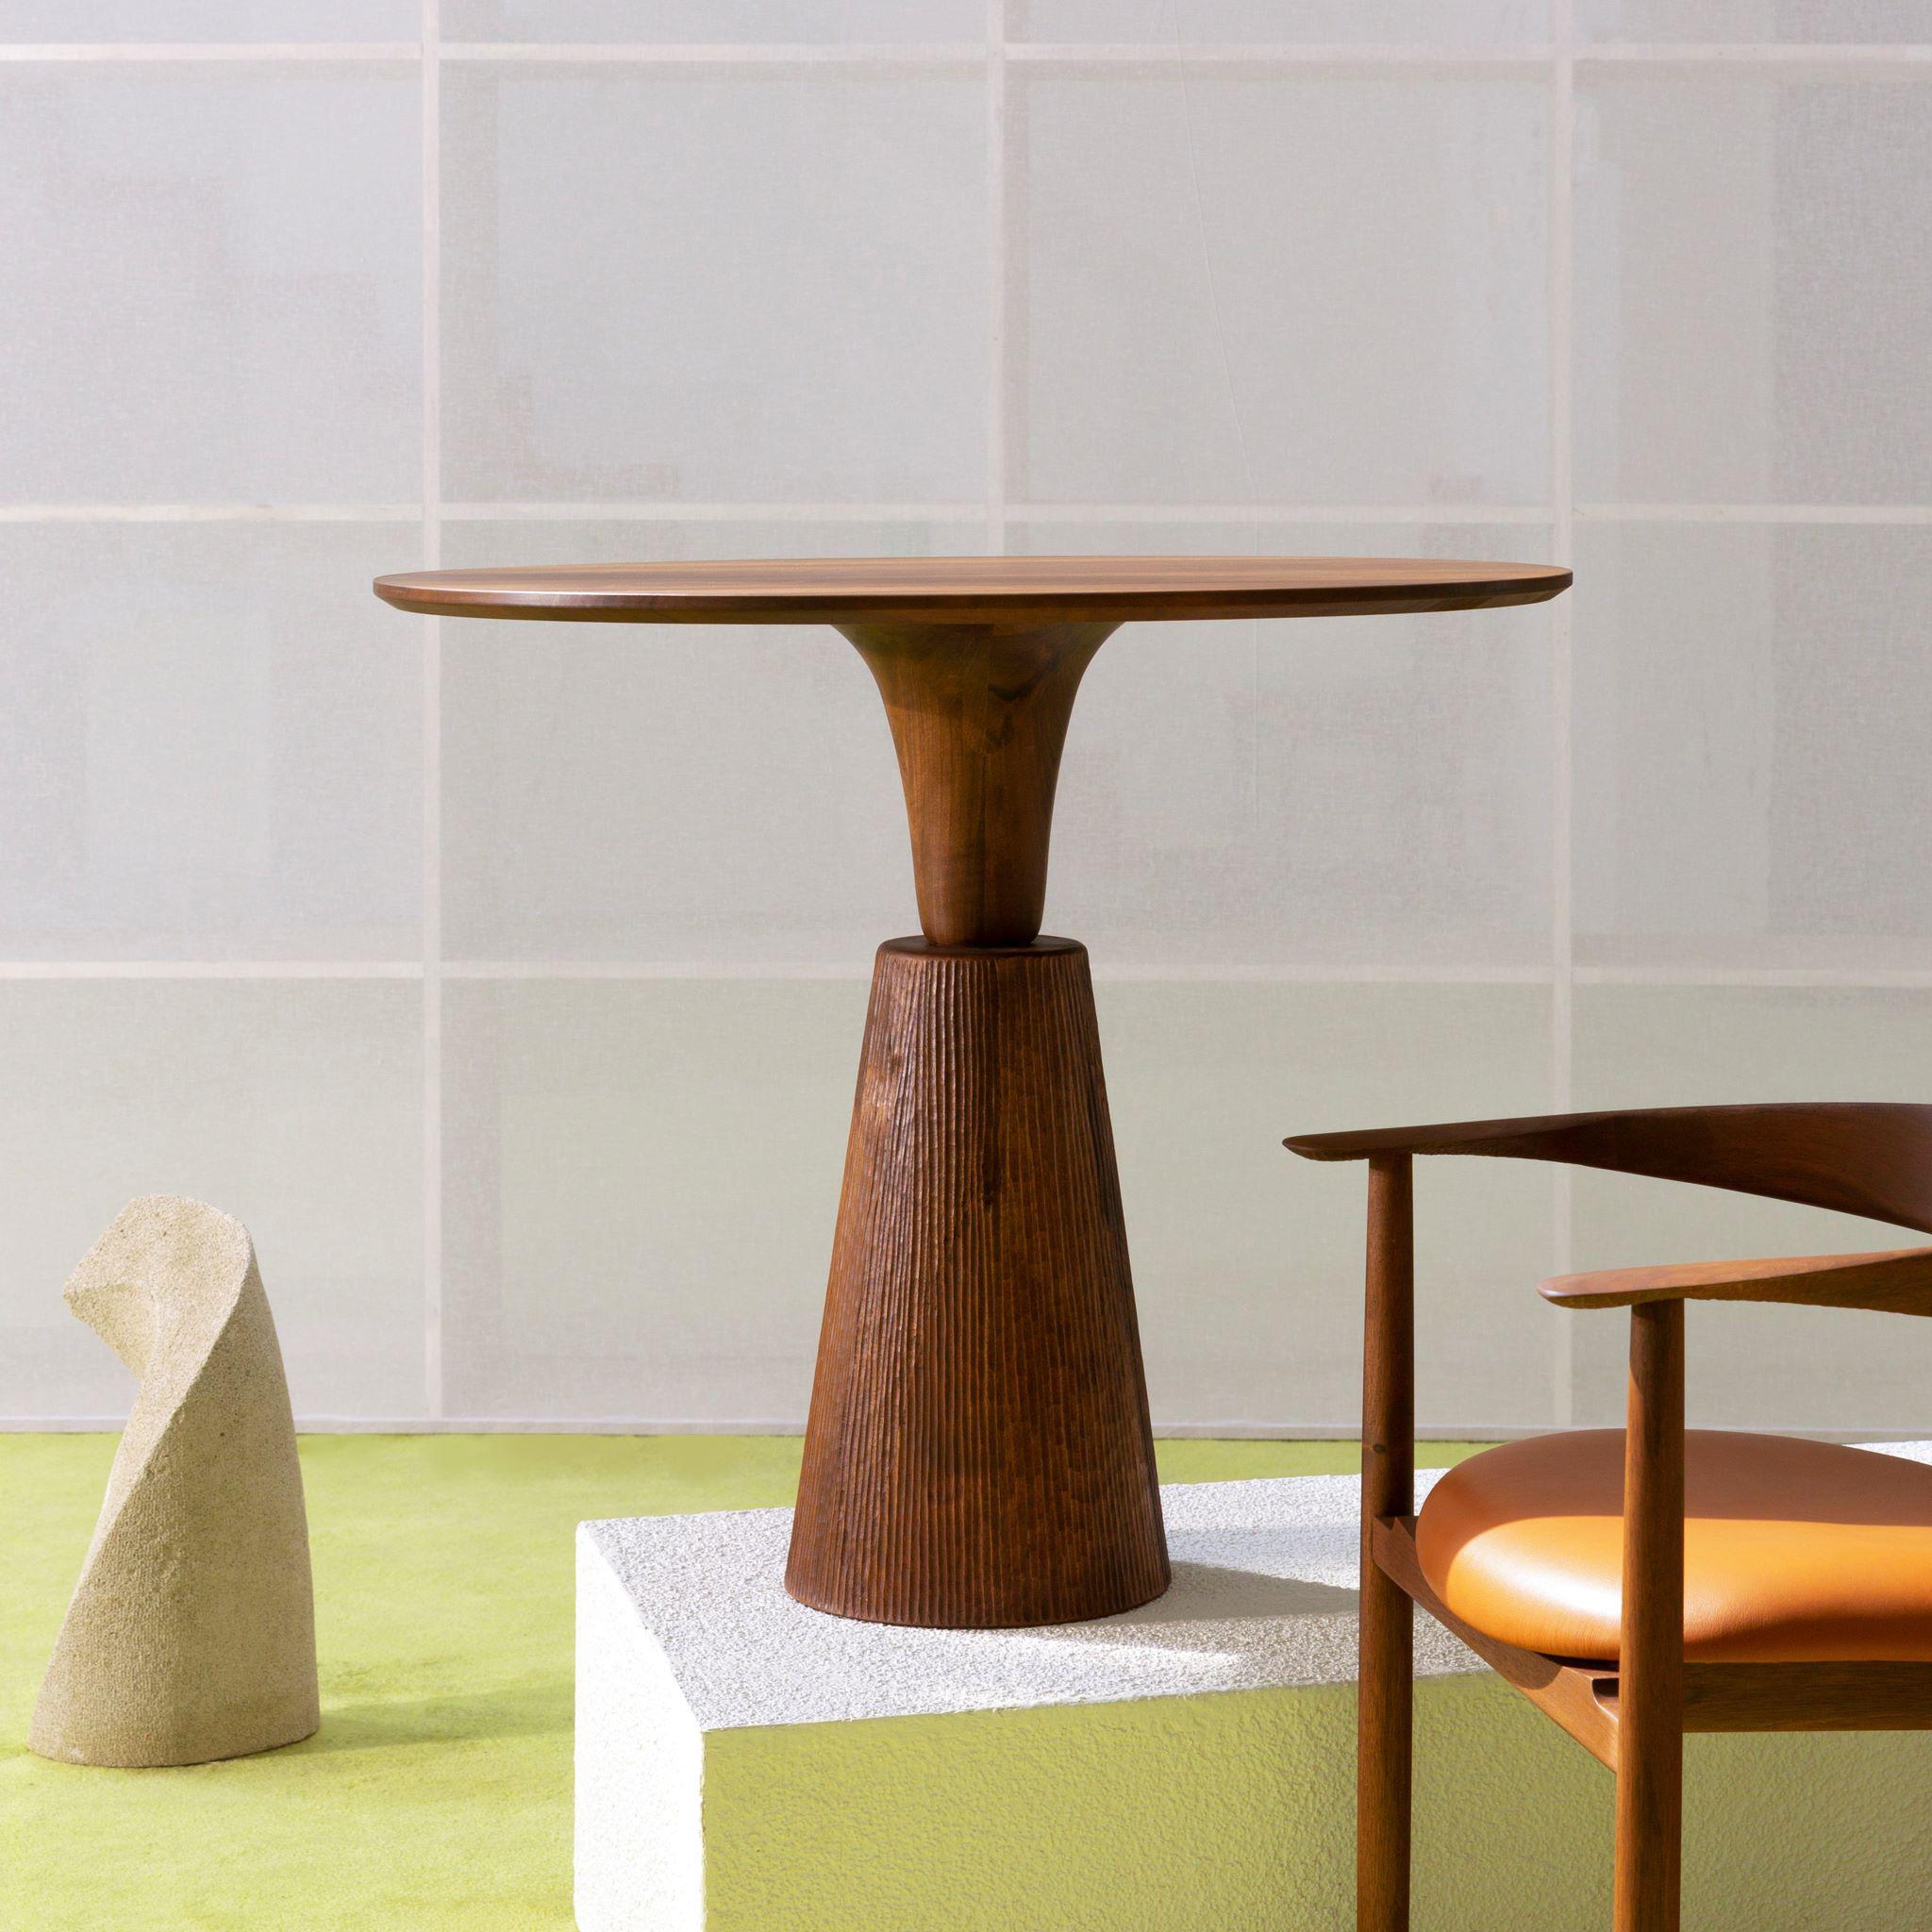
(191, 1632)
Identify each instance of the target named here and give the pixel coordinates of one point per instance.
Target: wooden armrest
(1535, 1136)
(1898, 1282)
(1872, 1158)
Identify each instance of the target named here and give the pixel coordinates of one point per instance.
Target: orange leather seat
(1793, 1550)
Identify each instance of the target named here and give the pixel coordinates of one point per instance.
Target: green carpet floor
(438, 1792)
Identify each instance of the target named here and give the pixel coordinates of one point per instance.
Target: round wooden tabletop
(973, 590)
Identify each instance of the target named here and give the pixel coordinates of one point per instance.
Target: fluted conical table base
(978, 1453)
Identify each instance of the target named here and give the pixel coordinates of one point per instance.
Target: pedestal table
(978, 1452)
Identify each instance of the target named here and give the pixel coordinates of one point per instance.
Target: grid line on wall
(1439, 515)
(1001, 510)
(1001, 172)
(1229, 1430)
(1880, 57)
(432, 718)
(1563, 217)
(1239, 973)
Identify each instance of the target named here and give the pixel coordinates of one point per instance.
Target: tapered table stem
(979, 714)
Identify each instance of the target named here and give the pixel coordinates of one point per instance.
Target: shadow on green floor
(534, 1710)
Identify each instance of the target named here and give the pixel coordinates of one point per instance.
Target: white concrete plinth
(743, 1762)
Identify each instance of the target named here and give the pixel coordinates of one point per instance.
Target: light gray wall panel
(508, 980)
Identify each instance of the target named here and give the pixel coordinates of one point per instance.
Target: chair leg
(1384, 1728)
(1650, 1699)
(1385, 1690)
(1650, 1820)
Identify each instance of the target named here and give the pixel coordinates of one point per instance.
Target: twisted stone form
(191, 1632)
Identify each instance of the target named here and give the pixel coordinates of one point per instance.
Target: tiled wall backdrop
(508, 981)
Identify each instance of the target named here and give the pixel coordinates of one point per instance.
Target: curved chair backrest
(1867, 1157)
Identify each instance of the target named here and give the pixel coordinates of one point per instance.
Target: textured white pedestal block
(692, 1662)
(745, 1763)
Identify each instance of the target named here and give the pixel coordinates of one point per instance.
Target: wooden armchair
(1641, 1583)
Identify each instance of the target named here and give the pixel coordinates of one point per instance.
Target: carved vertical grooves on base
(978, 1453)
